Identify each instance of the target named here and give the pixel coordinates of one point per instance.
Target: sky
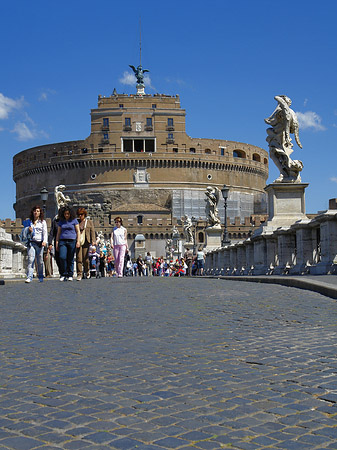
(226, 59)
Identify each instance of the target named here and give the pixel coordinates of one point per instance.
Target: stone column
(328, 244)
(249, 246)
(241, 258)
(233, 259)
(304, 248)
(286, 249)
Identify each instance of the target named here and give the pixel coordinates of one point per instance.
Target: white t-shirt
(119, 236)
(40, 231)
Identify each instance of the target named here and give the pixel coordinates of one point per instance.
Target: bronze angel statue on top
(284, 122)
(139, 73)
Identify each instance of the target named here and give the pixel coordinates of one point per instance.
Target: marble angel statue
(212, 212)
(284, 122)
(61, 200)
(188, 229)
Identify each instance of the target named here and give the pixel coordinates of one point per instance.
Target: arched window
(256, 157)
(239, 154)
(208, 151)
(265, 161)
(140, 219)
(201, 237)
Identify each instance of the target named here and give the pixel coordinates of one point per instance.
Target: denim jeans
(35, 252)
(67, 249)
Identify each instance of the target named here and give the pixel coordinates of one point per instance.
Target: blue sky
(226, 59)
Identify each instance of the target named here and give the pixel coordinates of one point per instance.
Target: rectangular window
(121, 105)
(154, 106)
(149, 121)
(127, 122)
(170, 136)
(222, 151)
(127, 145)
(170, 122)
(106, 123)
(106, 136)
(139, 145)
(149, 145)
(175, 150)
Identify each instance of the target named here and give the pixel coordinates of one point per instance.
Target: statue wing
(145, 70)
(217, 194)
(133, 68)
(295, 129)
(286, 113)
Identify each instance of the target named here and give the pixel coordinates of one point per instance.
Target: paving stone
(171, 442)
(233, 361)
(21, 443)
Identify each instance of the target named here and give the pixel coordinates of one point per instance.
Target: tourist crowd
(74, 235)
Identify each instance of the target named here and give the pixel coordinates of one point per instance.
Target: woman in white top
(119, 244)
(39, 238)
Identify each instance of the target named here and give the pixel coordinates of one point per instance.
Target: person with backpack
(37, 237)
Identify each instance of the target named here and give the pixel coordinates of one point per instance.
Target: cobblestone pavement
(141, 363)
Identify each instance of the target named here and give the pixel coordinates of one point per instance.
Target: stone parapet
(306, 247)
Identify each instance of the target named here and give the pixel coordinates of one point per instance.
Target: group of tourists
(188, 265)
(74, 234)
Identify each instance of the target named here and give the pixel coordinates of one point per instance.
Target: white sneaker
(28, 280)
(70, 278)
(61, 278)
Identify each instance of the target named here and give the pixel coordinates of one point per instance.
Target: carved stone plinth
(286, 203)
(213, 238)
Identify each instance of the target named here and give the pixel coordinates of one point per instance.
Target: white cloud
(334, 179)
(45, 94)
(8, 104)
(23, 132)
(128, 78)
(310, 119)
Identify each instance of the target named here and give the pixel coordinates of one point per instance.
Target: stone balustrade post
(327, 245)
(249, 246)
(233, 259)
(286, 249)
(241, 258)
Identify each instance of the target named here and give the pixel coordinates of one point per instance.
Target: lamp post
(44, 198)
(225, 192)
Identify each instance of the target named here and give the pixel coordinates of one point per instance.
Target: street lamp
(44, 198)
(225, 192)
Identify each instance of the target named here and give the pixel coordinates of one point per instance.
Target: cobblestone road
(142, 363)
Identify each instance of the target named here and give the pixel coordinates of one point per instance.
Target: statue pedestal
(140, 89)
(213, 238)
(286, 203)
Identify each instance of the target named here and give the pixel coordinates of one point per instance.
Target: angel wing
(133, 68)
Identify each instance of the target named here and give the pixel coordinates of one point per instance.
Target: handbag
(82, 235)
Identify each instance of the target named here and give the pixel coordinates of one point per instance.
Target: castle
(139, 163)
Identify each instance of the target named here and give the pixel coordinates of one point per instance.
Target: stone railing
(13, 256)
(306, 247)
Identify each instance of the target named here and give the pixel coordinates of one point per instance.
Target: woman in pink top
(119, 244)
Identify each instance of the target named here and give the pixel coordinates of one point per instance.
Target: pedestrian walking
(119, 244)
(67, 240)
(88, 237)
(148, 262)
(188, 258)
(38, 238)
(200, 261)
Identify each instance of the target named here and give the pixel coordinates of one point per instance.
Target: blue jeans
(67, 249)
(35, 253)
